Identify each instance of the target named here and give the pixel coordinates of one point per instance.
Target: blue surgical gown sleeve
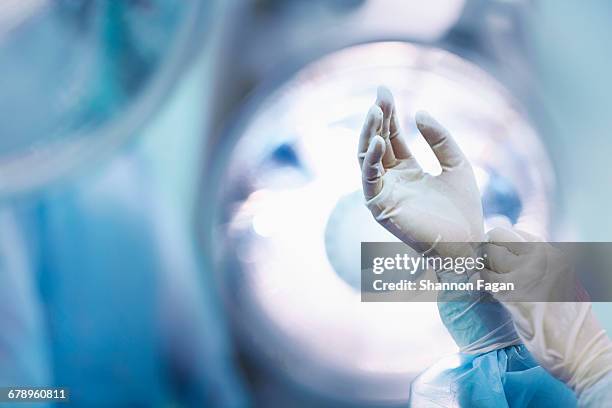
(131, 320)
(508, 377)
(492, 368)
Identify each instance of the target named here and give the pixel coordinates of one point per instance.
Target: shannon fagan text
(426, 285)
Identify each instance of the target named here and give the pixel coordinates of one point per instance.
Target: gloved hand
(540, 272)
(564, 337)
(419, 208)
(422, 210)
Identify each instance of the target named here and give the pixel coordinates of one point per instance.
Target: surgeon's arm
(564, 337)
(598, 395)
(431, 213)
(567, 340)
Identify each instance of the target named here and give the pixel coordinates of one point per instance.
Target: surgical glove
(538, 271)
(564, 337)
(422, 210)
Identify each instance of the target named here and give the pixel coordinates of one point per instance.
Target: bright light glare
(409, 17)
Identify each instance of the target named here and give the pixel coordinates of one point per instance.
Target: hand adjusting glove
(419, 208)
(564, 337)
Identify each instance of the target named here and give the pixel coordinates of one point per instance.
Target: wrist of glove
(453, 235)
(475, 320)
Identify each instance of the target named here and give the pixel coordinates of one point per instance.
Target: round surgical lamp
(290, 215)
(79, 78)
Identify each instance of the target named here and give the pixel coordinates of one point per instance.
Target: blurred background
(181, 215)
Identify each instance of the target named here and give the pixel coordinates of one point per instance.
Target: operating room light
(293, 213)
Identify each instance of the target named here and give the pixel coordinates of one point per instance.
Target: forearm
(598, 395)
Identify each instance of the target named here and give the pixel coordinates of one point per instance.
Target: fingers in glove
(371, 127)
(510, 240)
(396, 146)
(441, 142)
(496, 277)
(382, 101)
(500, 259)
(529, 237)
(372, 170)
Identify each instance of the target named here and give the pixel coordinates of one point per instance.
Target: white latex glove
(417, 207)
(539, 271)
(564, 337)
